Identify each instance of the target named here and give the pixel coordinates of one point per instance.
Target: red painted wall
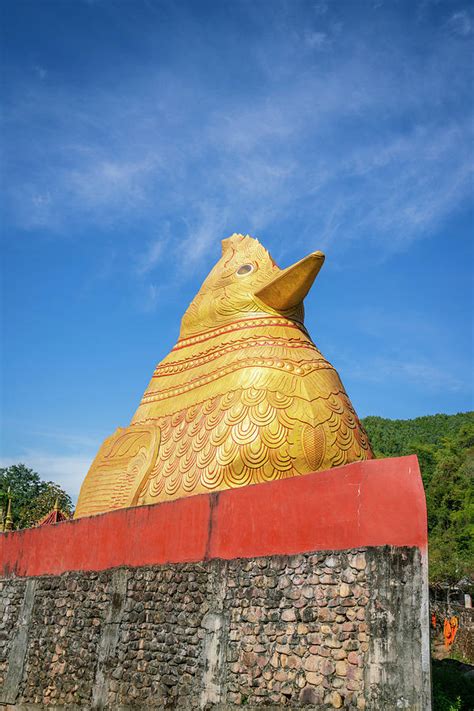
(371, 503)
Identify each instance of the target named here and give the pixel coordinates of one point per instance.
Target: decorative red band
(255, 322)
(370, 503)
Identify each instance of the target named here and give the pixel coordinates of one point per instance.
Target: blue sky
(137, 134)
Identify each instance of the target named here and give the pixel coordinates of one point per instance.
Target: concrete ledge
(371, 503)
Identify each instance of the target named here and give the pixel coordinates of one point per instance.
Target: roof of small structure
(53, 516)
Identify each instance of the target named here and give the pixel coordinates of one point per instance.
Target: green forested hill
(445, 448)
(395, 438)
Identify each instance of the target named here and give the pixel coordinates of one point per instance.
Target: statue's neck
(261, 325)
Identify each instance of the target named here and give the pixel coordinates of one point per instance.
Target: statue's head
(246, 282)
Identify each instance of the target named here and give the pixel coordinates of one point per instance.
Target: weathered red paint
(175, 531)
(371, 503)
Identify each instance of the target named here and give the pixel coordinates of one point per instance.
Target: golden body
(244, 397)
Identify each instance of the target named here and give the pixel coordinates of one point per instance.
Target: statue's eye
(244, 269)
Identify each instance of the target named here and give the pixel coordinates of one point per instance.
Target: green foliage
(31, 497)
(452, 689)
(445, 448)
(45, 502)
(395, 438)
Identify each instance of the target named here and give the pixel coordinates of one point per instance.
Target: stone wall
(309, 591)
(310, 630)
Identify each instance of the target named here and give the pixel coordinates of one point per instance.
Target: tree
(45, 502)
(31, 497)
(445, 448)
(450, 501)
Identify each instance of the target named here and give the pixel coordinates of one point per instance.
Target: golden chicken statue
(244, 397)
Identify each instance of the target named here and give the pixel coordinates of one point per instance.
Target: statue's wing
(123, 462)
(336, 432)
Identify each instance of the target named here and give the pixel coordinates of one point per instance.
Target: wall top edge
(365, 504)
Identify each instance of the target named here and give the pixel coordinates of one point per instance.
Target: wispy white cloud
(320, 7)
(40, 71)
(358, 141)
(406, 348)
(65, 438)
(66, 470)
(58, 455)
(428, 377)
(316, 40)
(151, 256)
(461, 23)
(202, 232)
(109, 182)
(149, 296)
(409, 193)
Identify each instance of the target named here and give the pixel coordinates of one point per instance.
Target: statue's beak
(290, 287)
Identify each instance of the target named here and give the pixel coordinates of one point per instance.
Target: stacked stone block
(297, 631)
(293, 631)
